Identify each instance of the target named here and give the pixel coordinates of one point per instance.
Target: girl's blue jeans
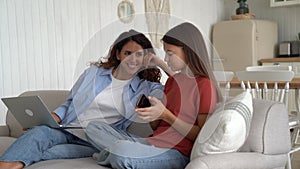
(120, 150)
(44, 143)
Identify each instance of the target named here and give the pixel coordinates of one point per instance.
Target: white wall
(42, 42)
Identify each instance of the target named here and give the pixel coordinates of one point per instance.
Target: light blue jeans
(44, 143)
(120, 150)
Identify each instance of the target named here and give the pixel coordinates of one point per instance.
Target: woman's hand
(56, 117)
(151, 113)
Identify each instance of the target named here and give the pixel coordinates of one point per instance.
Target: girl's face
(175, 57)
(131, 57)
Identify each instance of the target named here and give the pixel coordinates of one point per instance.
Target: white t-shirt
(107, 106)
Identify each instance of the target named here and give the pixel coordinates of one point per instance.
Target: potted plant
(243, 7)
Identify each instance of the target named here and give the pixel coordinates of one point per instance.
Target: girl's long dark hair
(188, 36)
(151, 74)
(193, 47)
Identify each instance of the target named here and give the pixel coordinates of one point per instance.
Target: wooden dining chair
(272, 83)
(223, 78)
(268, 67)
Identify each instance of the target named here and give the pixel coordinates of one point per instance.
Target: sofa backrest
(269, 132)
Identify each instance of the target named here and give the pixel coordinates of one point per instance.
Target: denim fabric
(122, 150)
(44, 143)
(134, 155)
(102, 135)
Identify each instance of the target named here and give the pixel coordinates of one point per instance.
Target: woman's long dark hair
(151, 74)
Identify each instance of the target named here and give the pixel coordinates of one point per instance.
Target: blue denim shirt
(92, 82)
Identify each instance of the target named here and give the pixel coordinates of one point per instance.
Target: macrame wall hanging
(157, 17)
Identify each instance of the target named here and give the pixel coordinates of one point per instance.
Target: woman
(105, 92)
(190, 95)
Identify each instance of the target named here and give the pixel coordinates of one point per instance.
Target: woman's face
(131, 57)
(175, 57)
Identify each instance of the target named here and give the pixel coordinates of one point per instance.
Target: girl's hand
(151, 60)
(151, 113)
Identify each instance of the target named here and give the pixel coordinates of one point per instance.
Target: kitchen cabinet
(278, 3)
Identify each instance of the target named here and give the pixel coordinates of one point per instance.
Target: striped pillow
(227, 128)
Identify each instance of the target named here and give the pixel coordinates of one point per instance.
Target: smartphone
(142, 102)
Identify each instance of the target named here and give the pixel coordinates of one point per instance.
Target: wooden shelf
(288, 59)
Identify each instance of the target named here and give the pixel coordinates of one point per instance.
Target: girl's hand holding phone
(151, 113)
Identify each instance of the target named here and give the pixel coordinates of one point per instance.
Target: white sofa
(266, 147)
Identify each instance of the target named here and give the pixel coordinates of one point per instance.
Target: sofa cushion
(78, 163)
(5, 142)
(227, 128)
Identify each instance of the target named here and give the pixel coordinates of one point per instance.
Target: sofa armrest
(4, 131)
(243, 160)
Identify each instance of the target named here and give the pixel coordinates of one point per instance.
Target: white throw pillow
(227, 128)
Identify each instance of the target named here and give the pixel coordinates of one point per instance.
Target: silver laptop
(30, 111)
